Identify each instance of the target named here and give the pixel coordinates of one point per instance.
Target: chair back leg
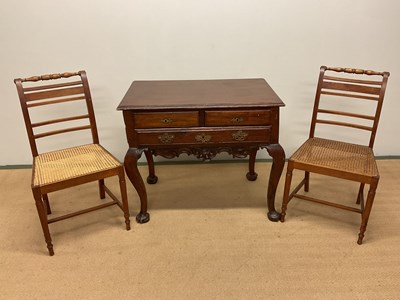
(306, 181)
(360, 196)
(101, 189)
(46, 203)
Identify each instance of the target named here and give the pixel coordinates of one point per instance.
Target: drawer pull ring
(203, 138)
(237, 120)
(240, 135)
(166, 121)
(166, 138)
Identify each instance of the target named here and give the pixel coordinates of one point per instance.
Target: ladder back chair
(339, 158)
(65, 168)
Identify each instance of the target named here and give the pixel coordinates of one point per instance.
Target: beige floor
(208, 238)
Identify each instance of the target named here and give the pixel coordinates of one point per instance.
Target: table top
(199, 94)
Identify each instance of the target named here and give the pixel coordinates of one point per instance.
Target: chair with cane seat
(71, 166)
(337, 157)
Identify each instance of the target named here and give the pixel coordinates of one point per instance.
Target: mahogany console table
(203, 118)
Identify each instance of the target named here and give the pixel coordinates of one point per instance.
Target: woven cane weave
(70, 163)
(336, 155)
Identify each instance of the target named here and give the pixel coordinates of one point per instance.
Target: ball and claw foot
(152, 179)
(274, 216)
(251, 177)
(142, 217)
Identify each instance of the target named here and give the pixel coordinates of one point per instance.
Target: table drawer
(166, 119)
(204, 136)
(237, 117)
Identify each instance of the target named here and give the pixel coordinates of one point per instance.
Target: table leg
(278, 161)
(252, 175)
(130, 163)
(152, 178)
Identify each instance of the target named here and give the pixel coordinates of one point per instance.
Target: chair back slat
(353, 85)
(341, 113)
(64, 88)
(351, 125)
(55, 93)
(49, 133)
(343, 79)
(51, 86)
(54, 121)
(55, 101)
(341, 86)
(350, 95)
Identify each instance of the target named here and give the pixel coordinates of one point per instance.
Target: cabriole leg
(278, 161)
(130, 163)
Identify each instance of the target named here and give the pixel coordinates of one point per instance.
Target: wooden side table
(202, 118)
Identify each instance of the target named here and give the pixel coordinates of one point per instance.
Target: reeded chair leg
(124, 198)
(43, 219)
(285, 200)
(367, 210)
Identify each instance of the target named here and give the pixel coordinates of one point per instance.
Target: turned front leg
(367, 209)
(130, 163)
(278, 161)
(43, 219)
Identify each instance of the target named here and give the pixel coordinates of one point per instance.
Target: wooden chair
(339, 158)
(61, 169)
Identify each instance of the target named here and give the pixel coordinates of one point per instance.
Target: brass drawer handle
(166, 121)
(203, 138)
(237, 120)
(240, 135)
(166, 138)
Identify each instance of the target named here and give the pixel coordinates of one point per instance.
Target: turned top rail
(354, 71)
(48, 76)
